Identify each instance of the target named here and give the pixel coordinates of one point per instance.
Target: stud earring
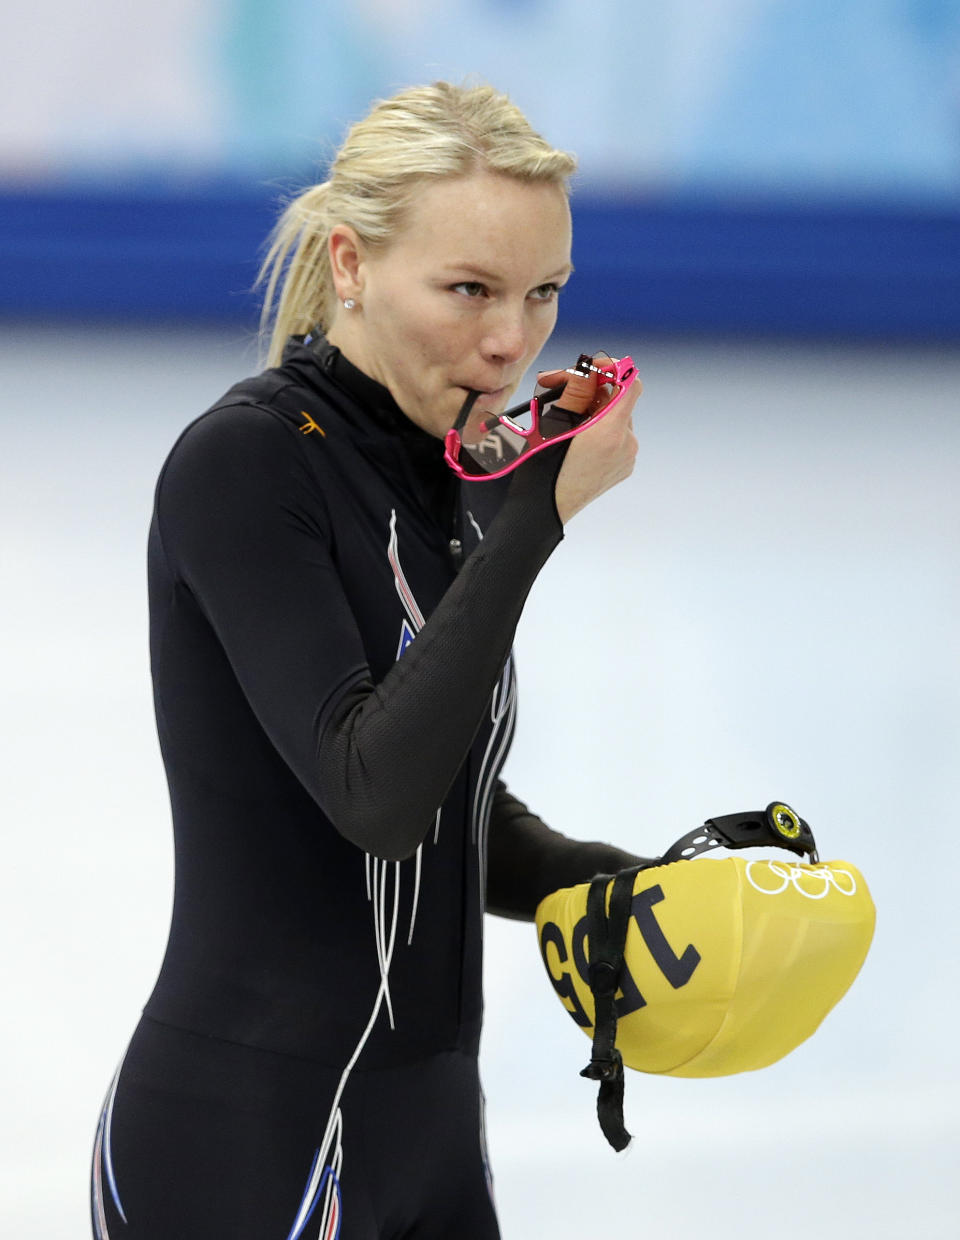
(348, 303)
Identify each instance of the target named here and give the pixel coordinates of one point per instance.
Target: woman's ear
(346, 252)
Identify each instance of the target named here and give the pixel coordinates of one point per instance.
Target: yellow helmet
(706, 969)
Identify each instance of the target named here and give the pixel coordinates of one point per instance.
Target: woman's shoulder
(253, 409)
(246, 451)
(231, 425)
(259, 422)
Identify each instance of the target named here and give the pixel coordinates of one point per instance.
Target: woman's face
(463, 298)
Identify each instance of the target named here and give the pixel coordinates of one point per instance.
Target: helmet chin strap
(778, 825)
(608, 937)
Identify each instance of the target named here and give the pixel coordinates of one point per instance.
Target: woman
(332, 612)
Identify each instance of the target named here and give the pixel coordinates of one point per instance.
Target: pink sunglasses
(483, 445)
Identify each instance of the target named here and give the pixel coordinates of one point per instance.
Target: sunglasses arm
(472, 398)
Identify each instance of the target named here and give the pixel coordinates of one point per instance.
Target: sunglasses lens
(489, 445)
(555, 421)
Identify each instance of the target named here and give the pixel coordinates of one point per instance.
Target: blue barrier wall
(750, 166)
(718, 265)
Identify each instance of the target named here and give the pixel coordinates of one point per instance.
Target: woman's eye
(545, 292)
(470, 288)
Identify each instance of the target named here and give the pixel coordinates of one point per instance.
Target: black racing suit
(331, 616)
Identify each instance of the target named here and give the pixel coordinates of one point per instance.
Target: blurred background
(768, 219)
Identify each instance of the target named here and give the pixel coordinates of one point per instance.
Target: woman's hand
(600, 457)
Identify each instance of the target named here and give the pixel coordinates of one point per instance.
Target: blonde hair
(426, 132)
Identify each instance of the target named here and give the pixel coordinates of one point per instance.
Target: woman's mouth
(489, 398)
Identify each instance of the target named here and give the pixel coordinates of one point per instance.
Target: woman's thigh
(423, 1126)
(201, 1138)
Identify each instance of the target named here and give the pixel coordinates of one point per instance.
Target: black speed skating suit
(331, 621)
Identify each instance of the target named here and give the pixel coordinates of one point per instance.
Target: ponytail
(296, 275)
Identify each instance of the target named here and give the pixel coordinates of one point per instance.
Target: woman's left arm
(526, 860)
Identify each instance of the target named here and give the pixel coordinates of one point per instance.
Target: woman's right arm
(242, 527)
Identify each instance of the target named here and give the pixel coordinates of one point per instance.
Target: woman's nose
(505, 338)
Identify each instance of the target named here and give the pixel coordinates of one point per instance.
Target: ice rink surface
(768, 608)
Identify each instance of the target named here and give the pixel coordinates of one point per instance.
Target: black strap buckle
(778, 826)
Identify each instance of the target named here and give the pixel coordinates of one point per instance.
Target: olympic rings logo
(812, 882)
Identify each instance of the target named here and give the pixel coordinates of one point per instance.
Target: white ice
(768, 608)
